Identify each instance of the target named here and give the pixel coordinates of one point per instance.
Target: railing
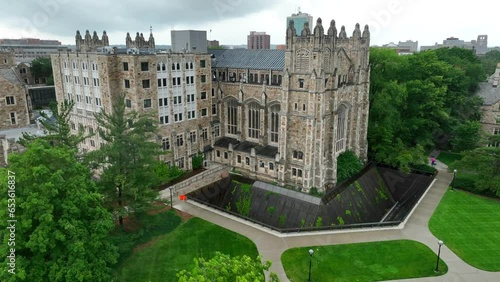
(302, 229)
(181, 185)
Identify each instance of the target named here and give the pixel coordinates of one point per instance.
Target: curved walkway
(271, 244)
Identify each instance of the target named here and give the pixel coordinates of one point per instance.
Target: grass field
(448, 158)
(470, 226)
(170, 253)
(374, 261)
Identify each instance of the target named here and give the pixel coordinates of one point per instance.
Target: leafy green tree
(62, 228)
(485, 162)
(224, 268)
(418, 101)
(59, 132)
(127, 159)
(42, 67)
(197, 161)
(490, 61)
(467, 136)
(348, 164)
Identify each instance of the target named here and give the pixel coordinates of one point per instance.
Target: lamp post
(453, 181)
(171, 201)
(311, 252)
(440, 243)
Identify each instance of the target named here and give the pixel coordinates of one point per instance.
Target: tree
(127, 159)
(490, 61)
(62, 227)
(224, 268)
(42, 67)
(348, 164)
(418, 101)
(59, 131)
(485, 162)
(467, 136)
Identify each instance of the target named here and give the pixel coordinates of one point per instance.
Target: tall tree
(61, 226)
(58, 130)
(485, 162)
(224, 268)
(127, 159)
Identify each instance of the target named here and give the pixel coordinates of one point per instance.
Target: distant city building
(404, 49)
(189, 41)
(490, 93)
(258, 40)
(480, 46)
(281, 47)
(211, 44)
(299, 20)
(409, 44)
(31, 48)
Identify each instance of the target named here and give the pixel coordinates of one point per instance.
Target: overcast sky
(428, 21)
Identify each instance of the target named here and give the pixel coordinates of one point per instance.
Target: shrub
(348, 164)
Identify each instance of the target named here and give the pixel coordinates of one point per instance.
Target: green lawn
(470, 226)
(375, 261)
(175, 251)
(447, 157)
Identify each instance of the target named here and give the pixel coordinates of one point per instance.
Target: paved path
(271, 244)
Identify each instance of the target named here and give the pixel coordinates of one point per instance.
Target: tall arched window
(232, 116)
(341, 141)
(274, 123)
(253, 120)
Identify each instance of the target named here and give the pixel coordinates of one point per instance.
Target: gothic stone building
(287, 115)
(281, 116)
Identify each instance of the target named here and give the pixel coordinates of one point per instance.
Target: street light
(453, 181)
(440, 243)
(171, 201)
(311, 252)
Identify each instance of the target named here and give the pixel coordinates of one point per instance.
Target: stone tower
(325, 103)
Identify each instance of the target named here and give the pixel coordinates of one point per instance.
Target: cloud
(64, 17)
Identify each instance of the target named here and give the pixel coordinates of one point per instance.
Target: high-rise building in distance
(299, 19)
(258, 40)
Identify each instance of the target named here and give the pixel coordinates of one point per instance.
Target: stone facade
(13, 103)
(290, 125)
(274, 115)
(174, 87)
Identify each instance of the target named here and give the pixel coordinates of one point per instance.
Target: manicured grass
(448, 158)
(470, 226)
(375, 261)
(175, 251)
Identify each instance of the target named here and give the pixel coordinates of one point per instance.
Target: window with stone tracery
(302, 60)
(232, 116)
(253, 120)
(274, 123)
(340, 144)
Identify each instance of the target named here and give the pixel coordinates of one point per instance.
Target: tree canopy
(42, 67)
(418, 101)
(62, 227)
(224, 268)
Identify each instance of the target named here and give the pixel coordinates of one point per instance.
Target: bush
(197, 161)
(424, 168)
(469, 185)
(314, 192)
(348, 164)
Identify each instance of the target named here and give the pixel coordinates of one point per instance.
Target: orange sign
(182, 197)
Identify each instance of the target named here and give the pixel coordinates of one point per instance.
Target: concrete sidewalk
(271, 244)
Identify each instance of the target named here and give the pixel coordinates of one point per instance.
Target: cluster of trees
(63, 215)
(422, 101)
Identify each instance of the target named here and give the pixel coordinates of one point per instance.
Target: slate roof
(490, 94)
(246, 146)
(10, 76)
(248, 59)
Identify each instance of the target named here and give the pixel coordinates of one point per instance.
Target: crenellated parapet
(330, 52)
(140, 42)
(90, 42)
